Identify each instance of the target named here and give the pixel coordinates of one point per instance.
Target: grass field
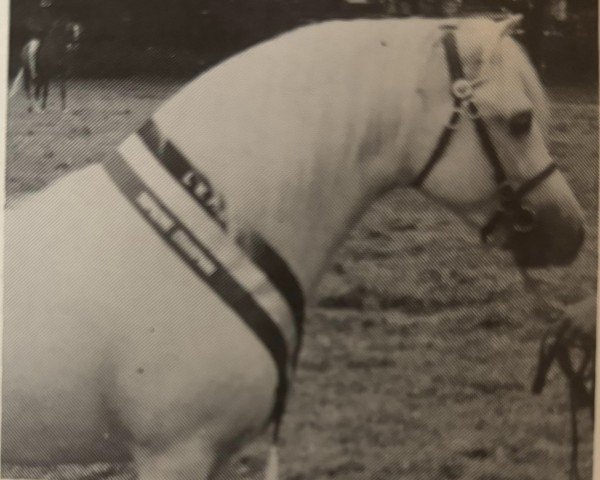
(419, 353)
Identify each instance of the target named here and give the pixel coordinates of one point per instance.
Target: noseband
(511, 208)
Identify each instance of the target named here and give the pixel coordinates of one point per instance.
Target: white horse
(135, 291)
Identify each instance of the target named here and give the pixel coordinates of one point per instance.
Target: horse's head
(74, 31)
(479, 146)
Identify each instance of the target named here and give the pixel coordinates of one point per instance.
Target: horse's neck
(313, 213)
(322, 157)
(308, 207)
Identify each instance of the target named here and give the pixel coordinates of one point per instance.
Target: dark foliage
(183, 37)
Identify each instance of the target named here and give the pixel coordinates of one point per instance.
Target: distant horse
(153, 304)
(46, 58)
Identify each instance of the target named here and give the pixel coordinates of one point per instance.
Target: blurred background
(184, 37)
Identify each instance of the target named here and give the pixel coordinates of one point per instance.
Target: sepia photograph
(300, 240)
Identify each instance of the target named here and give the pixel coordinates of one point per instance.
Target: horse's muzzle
(553, 240)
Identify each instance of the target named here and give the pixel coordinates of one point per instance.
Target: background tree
(185, 36)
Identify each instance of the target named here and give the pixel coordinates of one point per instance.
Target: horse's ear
(509, 25)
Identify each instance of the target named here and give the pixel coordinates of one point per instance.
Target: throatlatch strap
(455, 72)
(437, 153)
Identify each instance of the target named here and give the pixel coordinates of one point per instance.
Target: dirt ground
(419, 353)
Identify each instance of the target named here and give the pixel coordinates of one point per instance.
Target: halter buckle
(454, 118)
(472, 110)
(506, 194)
(462, 89)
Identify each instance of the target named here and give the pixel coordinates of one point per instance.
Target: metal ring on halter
(506, 193)
(462, 89)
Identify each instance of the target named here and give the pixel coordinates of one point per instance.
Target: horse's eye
(520, 123)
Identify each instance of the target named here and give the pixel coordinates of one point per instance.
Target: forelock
(479, 40)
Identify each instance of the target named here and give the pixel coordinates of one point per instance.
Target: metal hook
(462, 89)
(454, 118)
(472, 110)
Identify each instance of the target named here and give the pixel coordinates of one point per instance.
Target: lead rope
(555, 347)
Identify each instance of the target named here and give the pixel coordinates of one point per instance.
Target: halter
(510, 198)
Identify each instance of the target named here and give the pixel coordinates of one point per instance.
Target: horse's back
(59, 228)
(80, 243)
(51, 339)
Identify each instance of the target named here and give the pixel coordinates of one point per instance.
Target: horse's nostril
(570, 252)
(561, 252)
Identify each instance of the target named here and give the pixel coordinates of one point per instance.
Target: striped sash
(245, 272)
